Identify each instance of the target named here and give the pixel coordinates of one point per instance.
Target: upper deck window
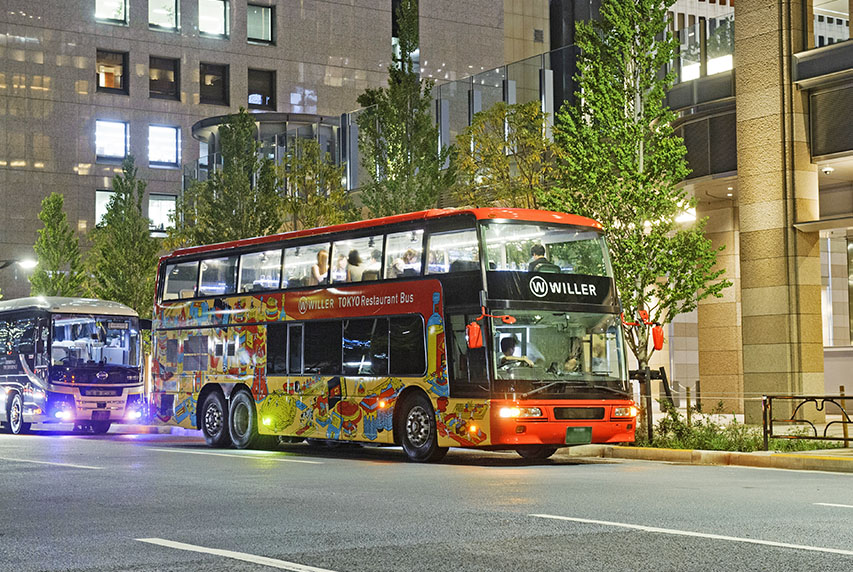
(218, 276)
(454, 251)
(306, 265)
(403, 254)
(181, 280)
(357, 259)
(260, 271)
(545, 248)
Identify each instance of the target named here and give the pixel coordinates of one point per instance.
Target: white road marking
(831, 504)
(698, 534)
(246, 456)
(48, 463)
(263, 560)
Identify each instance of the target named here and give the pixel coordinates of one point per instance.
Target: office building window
(112, 11)
(214, 84)
(110, 139)
(262, 89)
(160, 209)
(164, 146)
(111, 68)
(163, 14)
(259, 22)
(102, 200)
(213, 17)
(164, 78)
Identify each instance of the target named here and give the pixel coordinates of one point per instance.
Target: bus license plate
(578, 435)
(100, 415)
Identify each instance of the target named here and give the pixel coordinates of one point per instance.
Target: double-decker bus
(490, 328)
(69, 360)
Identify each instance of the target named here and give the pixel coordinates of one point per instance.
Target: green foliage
(240, 200)
(397, 135)
(122, 262)
(60, 269)
(314, 191)
(709, 433)
(503, 158)
(623, 162)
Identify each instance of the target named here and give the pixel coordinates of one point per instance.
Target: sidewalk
(834, 460)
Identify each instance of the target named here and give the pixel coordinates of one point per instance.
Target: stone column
(777, 184)
(720, 342)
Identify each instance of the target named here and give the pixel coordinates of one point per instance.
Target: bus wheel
(243, 420)
(214, 420)
(536, 451)
(99, 427)
(419, 435)
(15, 415)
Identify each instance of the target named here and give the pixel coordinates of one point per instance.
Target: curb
(762, 459)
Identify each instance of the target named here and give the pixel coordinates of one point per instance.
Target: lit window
(214, 84)
(113, 11)
(163, 14)
(262, 89)
(102, 200)
(213, 17)
(160, 209)
(164, 78)
(110, 139)
(259, 21)
(110, 67)
(164, 146)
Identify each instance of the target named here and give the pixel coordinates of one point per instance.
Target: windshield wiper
(577, 384)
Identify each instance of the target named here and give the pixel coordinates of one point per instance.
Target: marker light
(267, 421)
(508, 412)
(382, 404)
(630, 411)
(64, 415)
(472, 429)
(135, 414)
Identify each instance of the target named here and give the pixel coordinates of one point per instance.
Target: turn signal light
(630, 411)
(509, 412)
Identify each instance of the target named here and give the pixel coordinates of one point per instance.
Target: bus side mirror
(657, 336)
(475, 335)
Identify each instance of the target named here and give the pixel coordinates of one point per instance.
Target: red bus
(489, 328)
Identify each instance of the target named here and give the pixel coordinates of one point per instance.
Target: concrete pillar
(777, 185)
(720, 341)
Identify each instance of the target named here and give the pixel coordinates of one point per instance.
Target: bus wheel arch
(415, 427)
(212, 416)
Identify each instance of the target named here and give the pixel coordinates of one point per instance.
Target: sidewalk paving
(834, 460)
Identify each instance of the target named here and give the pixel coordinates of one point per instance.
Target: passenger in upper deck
(537, 251)
(319, 270)
(354, 267)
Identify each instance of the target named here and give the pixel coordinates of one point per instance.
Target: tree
(623, 162)
(239, 200)
(314, 190)
(122, 261)
(503, 158)
(397, 134)
(59, 271)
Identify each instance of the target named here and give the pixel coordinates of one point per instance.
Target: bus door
(467, 365)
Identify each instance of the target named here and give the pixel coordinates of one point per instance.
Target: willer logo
(303, 305)
(538, 287)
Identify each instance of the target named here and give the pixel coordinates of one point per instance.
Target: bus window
(366, 346)
(294, 348)
(357, 259)
(545, 248)
(299, 263)
(322, 349)
(181, 280)
(408, 354)
(403, 253)
(260, 271)
(276, 349)
(454, 251)
(218, 276)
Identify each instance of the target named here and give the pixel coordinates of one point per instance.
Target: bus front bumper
(69, 405)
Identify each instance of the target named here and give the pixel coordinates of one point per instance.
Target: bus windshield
(543, 247)
(558, 352)
(80, 339)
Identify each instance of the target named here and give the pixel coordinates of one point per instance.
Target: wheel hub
(15, 413)
(241, 419)
(213, 420)
(417, 427)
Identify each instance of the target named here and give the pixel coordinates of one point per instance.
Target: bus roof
(479, 213)
(63, 305)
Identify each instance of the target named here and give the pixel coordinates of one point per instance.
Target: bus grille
(579, 413)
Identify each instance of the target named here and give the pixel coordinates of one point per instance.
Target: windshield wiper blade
(611, 389)
(576, 384)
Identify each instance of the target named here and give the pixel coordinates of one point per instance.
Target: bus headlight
(514, 412)
(625, 411)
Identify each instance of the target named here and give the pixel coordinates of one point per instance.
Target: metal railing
(798, 402)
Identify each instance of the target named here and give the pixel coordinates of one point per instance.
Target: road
(165, 502)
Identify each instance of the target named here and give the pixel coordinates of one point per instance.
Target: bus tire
(418, 434)
(99, 427)
(15, 415)
(214, 420)
(536, 452)
(243, 420)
